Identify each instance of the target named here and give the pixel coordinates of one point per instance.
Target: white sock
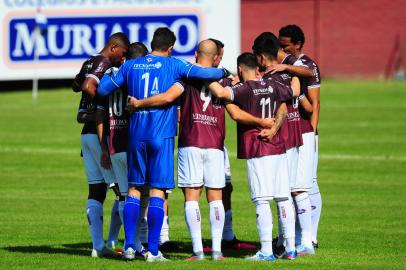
(287, 215)
(193, 222)
(115, 225)
(303, 209)
(316, 204)
(264, 226)
(228, 233)
(216, 223)
(94, 211)
(164, 236)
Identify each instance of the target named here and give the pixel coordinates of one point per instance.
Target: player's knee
(97, 192)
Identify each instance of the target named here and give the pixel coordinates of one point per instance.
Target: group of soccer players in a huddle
(133, 105)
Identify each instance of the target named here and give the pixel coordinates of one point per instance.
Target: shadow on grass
(183, 250)
(77, 249)
(176, 250)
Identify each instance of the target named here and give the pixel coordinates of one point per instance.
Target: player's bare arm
(268, 134)
(300, 71)
(159, 100)
(314, 98)
(295, 85)
(245, 118)
(105, 157)
(305, 104)
(84, 117)
(219, 91)
(90, 86)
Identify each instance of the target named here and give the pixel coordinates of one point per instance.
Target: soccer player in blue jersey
(152, 132)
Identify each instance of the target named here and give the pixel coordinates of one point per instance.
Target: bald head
(206, 52)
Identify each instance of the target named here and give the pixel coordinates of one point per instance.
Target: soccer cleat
(206, 247)
(198, 256)
(304, 250)
(217, 256)
(279, 251)
(291, 255)
(315, 245)
(116, 248)
(140, 255)
(105, 252)
(237, 244)
(129, 254)
(259, 256)
(158, 258)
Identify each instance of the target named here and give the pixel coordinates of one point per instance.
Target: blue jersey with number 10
(148, 76)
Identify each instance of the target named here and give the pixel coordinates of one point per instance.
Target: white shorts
(316, 158)
(268, 177)
(200, 166)
(227, 168)
(119, 165)
(91, 151)
(292, 156)
(304, 177)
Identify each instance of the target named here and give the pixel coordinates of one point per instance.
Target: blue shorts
(151, 163)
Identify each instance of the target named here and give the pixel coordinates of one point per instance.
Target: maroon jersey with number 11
(260, 98)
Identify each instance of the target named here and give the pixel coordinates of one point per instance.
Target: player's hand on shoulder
(278, 68)
(111, 71)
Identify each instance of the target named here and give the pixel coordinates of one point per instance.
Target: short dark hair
(294, 32)
(266, 43)
(120, 39)
(219, 44)
(163, 39)
(247, 59)
(136, 49)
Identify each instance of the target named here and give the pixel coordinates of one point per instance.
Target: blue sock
(115, 225)
(131, 215)
(155, 220)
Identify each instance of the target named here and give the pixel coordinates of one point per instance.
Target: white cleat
(105, 252)
(129, 254)
(158, 258)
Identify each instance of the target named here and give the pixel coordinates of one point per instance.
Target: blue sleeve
(205, 73)
(110, 83)
(188, 70)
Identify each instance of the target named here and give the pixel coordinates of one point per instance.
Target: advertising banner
(50, 39)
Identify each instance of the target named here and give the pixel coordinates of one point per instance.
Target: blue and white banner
(67, 34)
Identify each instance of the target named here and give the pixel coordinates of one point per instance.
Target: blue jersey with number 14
(148, 76)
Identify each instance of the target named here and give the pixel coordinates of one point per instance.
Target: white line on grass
(68, 151)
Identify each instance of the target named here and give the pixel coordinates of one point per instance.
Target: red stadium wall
(347, 38)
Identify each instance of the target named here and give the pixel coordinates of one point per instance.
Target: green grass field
(362, 176)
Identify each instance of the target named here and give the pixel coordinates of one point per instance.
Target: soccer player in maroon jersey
(292, 40)
(293, 134)
(230, 241)
(266, 158)
(86, 82)
(113, 138)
